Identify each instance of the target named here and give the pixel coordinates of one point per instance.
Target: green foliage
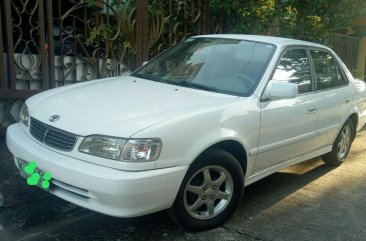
(303, 19)
(223, 13)
(90, 3)
(100, 34)
(257, 16)
(104, 32)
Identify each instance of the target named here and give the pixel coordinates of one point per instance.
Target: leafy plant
(302, 19)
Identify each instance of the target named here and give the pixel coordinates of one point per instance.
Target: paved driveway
(308, 201)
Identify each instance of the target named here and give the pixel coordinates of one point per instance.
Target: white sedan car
(191, 128)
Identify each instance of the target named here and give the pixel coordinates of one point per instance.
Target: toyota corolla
(191, 128)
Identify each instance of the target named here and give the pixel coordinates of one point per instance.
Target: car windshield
(229, 66)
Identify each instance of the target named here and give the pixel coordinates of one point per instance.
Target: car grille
(51, 136)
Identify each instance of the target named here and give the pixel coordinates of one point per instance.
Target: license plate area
(22, 164)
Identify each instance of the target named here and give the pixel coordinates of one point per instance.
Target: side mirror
(280, 90)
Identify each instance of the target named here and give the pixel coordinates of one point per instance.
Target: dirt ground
(308, 201)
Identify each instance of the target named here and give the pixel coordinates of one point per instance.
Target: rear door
(334, 94)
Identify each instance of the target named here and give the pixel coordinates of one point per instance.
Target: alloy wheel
(208, 192)
(344, 142)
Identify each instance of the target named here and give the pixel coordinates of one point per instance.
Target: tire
(210, 191)
(341, 145)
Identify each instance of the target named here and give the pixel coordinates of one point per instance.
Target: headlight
(102, 146)
(141, 150)
(138, 150)
(24, 115)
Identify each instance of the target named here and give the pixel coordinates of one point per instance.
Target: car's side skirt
(263, 173)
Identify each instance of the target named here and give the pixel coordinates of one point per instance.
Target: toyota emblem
(54, 118)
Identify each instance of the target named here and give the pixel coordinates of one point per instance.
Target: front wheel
(210, 191)
(341, 145)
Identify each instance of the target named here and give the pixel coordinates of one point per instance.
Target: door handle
(347, 101)
(312, 110)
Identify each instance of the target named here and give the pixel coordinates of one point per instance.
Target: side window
(327, 73)
(294, 68)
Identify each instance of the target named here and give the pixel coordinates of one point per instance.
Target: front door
(288, 126)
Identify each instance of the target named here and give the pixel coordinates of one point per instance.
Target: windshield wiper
(155, 78)
(195, 86)
(179, 83)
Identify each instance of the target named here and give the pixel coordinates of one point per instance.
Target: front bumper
(102, 189)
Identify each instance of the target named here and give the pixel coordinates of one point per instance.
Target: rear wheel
(210, 191)
(341, 145)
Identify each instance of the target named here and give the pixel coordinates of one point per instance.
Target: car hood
(119, 106)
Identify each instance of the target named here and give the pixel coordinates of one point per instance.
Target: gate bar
(51, 44)
(9, 44)
(3, 81)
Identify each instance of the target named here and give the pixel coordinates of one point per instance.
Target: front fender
(185, 138)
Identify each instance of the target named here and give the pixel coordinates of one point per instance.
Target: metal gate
(347, 48)
(50, 43)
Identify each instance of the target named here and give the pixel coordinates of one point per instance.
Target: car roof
(278, 41)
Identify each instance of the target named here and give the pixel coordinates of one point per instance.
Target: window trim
(283, 51)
